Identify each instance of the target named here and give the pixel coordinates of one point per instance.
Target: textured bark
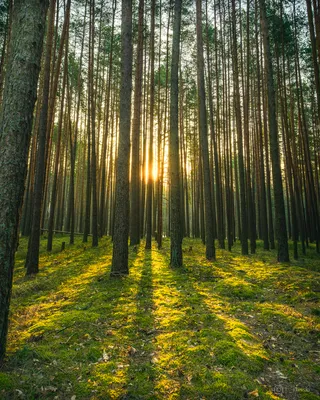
(203, 135)
(135, 151)
(87, 218)
(159, 183)
(46, 121)
(121, 216)
(92, 123)
(280, 217)
(316, 8)
(163, 145)
(314, 55)
(174, 167)
(242, 186)
(218, 191)
(6, 42)
(263, 194)
(57, 155)
(144, 143)
(311, 197)
(32, 259)
(150, 152)
(73, 137)
(19, 96)
(102, 216)
(249, 189)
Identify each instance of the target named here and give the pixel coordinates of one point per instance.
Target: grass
(237, 328)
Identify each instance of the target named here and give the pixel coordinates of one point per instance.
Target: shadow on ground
(241, 327)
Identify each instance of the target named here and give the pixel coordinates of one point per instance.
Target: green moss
(303, 395)
(209, 330)
(6, 382)
(238, 289)
(315, 311)
(228, 354)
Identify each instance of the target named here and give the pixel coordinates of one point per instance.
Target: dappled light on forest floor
(237, 328)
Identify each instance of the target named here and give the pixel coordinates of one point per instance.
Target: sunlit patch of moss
(228, 354)
(288, 317)
(238, 331)
(224, 385)
(237, 288)
(160, 332)
(248, 343)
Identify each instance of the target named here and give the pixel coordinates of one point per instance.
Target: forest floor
(238, 328)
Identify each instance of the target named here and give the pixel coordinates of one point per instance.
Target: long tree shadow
(54, 269)
(157, 333)
(207, 352)
(67, 330)
(242, 308)
(46, 295)
(141, 372)
(125, 371)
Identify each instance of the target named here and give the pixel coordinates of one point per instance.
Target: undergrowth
(240, 327)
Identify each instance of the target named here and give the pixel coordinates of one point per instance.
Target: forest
(160, 199)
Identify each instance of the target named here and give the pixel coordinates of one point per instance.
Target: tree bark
(203, 135)
(135, 151)
(121, 216)
(149, 203)
(280, 217)
(19, 96)
(174, 167)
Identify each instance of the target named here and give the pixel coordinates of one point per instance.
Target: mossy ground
(237, 328)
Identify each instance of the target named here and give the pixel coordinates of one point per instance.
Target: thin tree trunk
(150, 152)
(242, 187)
(280, 217)
(121, 216)
(175, 203)
(135, 151)
(203, 135)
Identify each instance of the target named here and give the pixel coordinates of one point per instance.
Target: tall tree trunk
(19, 96)
(203, 135)
(314, 55)
(92, 124)
(242, 186)
(121, 216)
(46, 121)
(280, 217)
(249, 192)
(74, 138)
(150, 152)
(135, 151)
(103, 226)
(175, 203)
(6, 42)
(263, 195)
(218, 191)
(57, 154)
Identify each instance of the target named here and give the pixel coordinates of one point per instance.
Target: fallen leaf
(254, 393)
